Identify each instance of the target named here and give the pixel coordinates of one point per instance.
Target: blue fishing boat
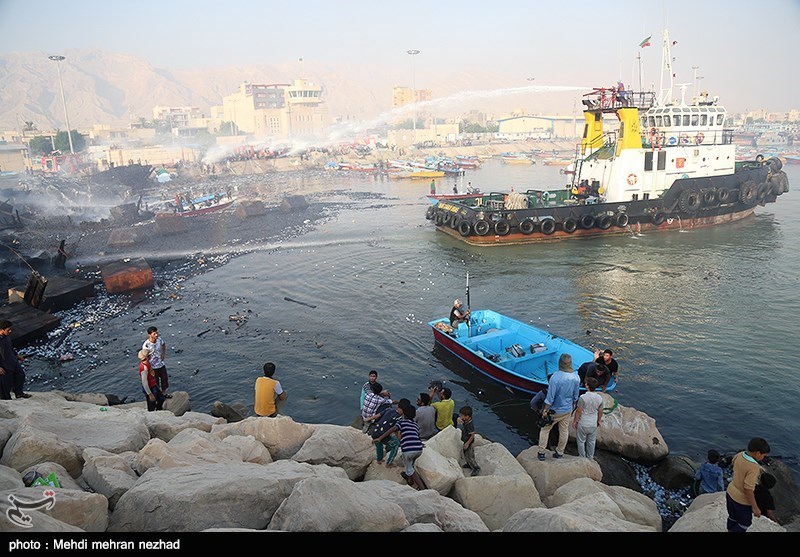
(511, 352)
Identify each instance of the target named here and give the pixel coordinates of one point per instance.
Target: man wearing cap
(458, 314)
(562, 397)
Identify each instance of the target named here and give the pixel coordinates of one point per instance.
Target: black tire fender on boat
(569, 225)
(724, 195)
(437, 219)
(501, 227)
(710, 198)
(548, 226)
(464, 228)
(605, 222)
(446, 217)
(587, 221)
(775, 164)
(482, 227)
(454, 222)
(747, 193)
(761, 191)
(430, 212)
(527, 227)
(658, 217)
(690, 201)
(621, 220)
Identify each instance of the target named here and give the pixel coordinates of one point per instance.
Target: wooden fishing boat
(509, 351)
(209, 208)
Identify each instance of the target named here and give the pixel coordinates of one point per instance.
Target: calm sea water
(702, 322)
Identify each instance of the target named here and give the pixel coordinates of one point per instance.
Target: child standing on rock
(155, 400)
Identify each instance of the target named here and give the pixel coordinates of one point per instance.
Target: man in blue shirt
(562, 396)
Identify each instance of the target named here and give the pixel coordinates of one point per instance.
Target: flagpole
(469, 330)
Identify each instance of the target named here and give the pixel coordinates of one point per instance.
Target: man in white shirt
(158, 352)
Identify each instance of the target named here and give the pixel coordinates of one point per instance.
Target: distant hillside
(110, 88)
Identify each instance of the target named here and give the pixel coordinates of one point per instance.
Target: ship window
(652, 122)
(667, 121)
(686, 120)
(658, 120)
(648, 161)
(645, 196)
(704, 119)
(635, 197)
(720, 118)
(676, 110)
(695, 119)
(662, 160)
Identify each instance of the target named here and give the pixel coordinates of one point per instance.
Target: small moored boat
(511, 352)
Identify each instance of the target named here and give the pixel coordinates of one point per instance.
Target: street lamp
(58, 59)
(413, 53)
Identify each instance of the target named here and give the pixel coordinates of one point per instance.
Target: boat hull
(676, 223)
(547, 216)
(510, 352)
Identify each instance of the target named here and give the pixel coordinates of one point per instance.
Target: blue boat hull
(511, 352)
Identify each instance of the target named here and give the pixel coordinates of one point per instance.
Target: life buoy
(724, 195)
(621, 220)
(548, 226)
(501, 227)
(464, 228)
(684, 138)
(632, 179)
(710, 197)
(587, 221)
(658, 217)
(699, 138)
(527, 227)
(482, 227)
(569, 225)
(690, 201)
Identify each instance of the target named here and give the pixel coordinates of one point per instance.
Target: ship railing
(609, 99)
(653, 138)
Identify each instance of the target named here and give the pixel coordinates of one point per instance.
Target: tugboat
(670, 165)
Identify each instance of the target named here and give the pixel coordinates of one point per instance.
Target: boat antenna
(665, 91)
(469, 321)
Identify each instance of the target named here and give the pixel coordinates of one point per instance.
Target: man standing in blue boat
(562, 397)
(458, 314)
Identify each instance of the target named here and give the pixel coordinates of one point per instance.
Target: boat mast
(665, 94)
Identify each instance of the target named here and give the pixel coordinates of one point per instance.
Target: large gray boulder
(108, 474)
(282, 436)
(166, 425)
(338, 445)
(86, 511)
(709, 513)
(595, 512)
(629, 433)
(495, 498)
(331, 505)
(193, 447)
(550, 474)
(634, 506)
(428, 507)
(224, 495)
(10, 478)
(58, 438)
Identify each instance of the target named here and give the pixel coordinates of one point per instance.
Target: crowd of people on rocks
(402, 425)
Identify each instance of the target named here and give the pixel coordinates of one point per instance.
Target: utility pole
(58, 59)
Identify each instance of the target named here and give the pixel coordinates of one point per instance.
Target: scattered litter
(203, 332)
(299, 302)
(66, 357)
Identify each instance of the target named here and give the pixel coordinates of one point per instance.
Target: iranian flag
(645, 42)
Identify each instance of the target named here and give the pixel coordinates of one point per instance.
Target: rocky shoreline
(122, 469)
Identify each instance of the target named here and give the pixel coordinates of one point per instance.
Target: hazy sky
(747, 51)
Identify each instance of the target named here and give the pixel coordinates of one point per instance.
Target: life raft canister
(699, 138)
(632, 179)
